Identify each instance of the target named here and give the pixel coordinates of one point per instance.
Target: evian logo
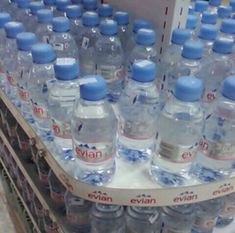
(224, 188)
(185, 197)
(143, 199)
(99, 196)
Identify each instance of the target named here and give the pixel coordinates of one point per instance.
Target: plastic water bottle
(138, 108)
(122, 19)
(90, 5)
(216, 155)
(61, 7)
(22, 13)
(224, 12)
(232, 4)
(50, 4)
(94, 128)
(209, 17)
(199, 8)
(107, 218)
(4, 18)
(182, 114)
(190, 64)
(57, 192)
(77, 213)
(74, 13)
(61, 99)
(207, 35)
(214, 4)
(11, 29)
(144, 49)
(206, 214)
(227, 28)
(61, 39)
(41, 77)
(110, 58)
(11, 7)
(226, 216)
(143, 219)
(25, 41)
(178, 218)
(88, 36)
(44, 28)
(137, 24)
(105, 11)
(191, 25)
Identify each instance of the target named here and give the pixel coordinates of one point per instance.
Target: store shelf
(131, 185)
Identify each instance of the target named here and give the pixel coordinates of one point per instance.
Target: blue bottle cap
(90, 19)
(90, 5)
(224, 11)
(4, 18)
(76, 1)
(73, 11)
(105, 10)
(61, 4)
(49, 2)
(191, 22)
(228, 88)
(228, 26)
(13, 28)
(66, 69)
(25, 40)
(214, 2)
(188, 89)
(44, 16)
(191, 10)
(209, 17)
(232, 4)
(141, 23)
(108, 27)
(201, 6)
(192, 50)
(145, 37)
(223, 45)
(93, 91)
(121, 17)
(60, 24)
(208, 32)
(144, 71)
(179, 36)
(35, 6)
(43, 53)
(23, 4)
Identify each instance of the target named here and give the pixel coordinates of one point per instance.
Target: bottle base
(222, 222)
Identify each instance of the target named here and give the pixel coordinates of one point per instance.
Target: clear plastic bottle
(50, 4)
(61, 99)
(94, 128)
(214, 4)
(216, 153)
(11, 7)
(61, 39)
(175, 151)
(60, 7)
(4, 18)
(90, 5)
(74, 13)
(189, 64)
(227, 28)
(209, 17)
(199, 7)
(107, 218)
(191, 25)
(109, 58)
(232, 4)
(44, 28)
(40, 78)
(122, 19)
(138, 108)
(143, 219)
(178, 219)
(25, 41)
(224, 12)
(105, 11)
(22, 13)
(226, 216)
(206, 214)
(88, 36)
(11, 29)
(77, 213)
(144, 49)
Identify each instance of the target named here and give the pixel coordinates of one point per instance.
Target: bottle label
(218, 150)
(93, 154)
(23, 94)
(61, 129)
(11, 80)
(39, 110)
(78, 218)
(177, 153)
(58, 197)
(205, 222)
(111, 73)
(58, 46)
(85, 42)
